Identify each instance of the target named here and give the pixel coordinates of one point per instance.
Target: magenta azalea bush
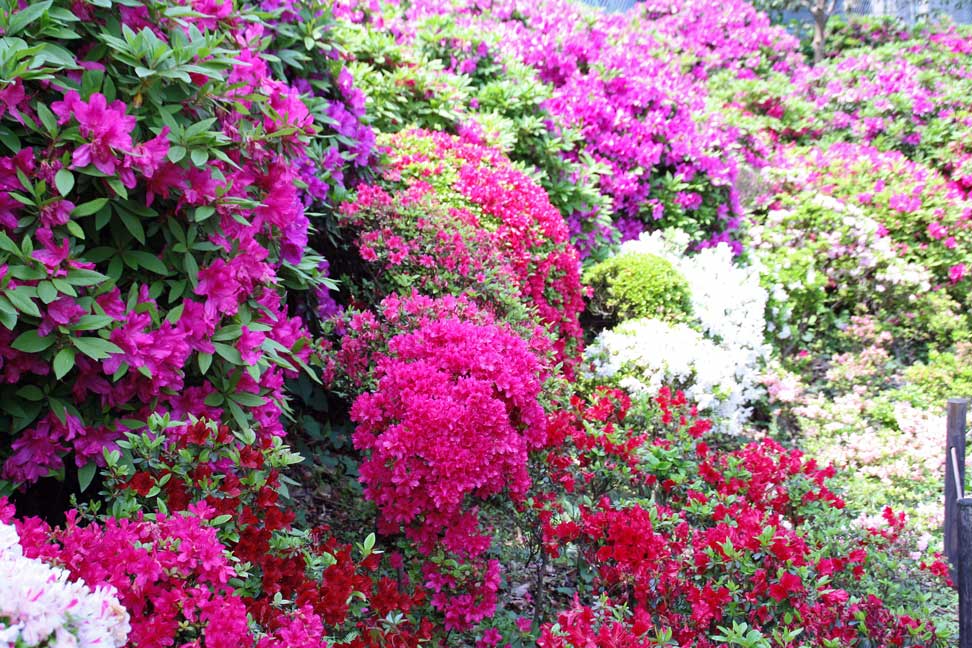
(154, 211)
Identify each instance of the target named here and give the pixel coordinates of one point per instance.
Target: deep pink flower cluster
(450, 421)
(636, 110)
(437, 249)
(170, 574)
(909, 95)
(731, 36)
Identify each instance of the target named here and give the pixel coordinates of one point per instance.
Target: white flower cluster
(40, 606)
(717, 361)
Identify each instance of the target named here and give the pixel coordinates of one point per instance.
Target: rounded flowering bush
(410, 240)
(847, 265)
(452, 404)
(435, 74)
(928, 219)
(486, 219)
(732, 36)
(453, 412)
(615, 83)
(154, 181)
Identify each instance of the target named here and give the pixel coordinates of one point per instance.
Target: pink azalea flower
(249, 345)
(107, 128)
(957, 272)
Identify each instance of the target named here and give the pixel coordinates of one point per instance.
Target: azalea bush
(211, 555)
(850, 265)
(926, 217)
(437, 75)
(490, 224)
(153, 217)
(235, 233)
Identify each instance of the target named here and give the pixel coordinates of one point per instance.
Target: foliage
(629, 286)
(848, 266)
(449, 78)
(175, 172)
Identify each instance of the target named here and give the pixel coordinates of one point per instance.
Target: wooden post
(964, 507)
(954, 477)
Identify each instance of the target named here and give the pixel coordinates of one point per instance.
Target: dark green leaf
(64, 181)
(63, 362)
(86, 475)
(46, 291)
(32, 342)
(95, 347)
(20, 297)
(90, 207)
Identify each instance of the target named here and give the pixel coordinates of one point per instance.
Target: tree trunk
(820, 15)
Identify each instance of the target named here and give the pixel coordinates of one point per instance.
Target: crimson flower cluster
(728, 537)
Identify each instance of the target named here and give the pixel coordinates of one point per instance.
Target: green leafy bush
(630, 286)
(945, 375)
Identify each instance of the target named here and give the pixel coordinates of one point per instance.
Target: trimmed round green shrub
(632, 286)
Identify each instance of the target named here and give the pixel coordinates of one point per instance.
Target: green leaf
(84, 277)
(64, 181)
(92, 322)
(150, 262)
(95, 347)
(46, 291)
(51, 53)
(32, 342)
(119, 189)
(238, 414)
(31, 393)
(10, 140)
(228, 353)
(63, 362)
(203, 213)
(133, 225)
(48, 119)
(75, 229)
(64, 287)
(21, 19)
(8, 314)
(205, 360)
(86, 475)
(176, 153)
(247, 399)
(228, 333)
(21, 298)
(88, 208)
